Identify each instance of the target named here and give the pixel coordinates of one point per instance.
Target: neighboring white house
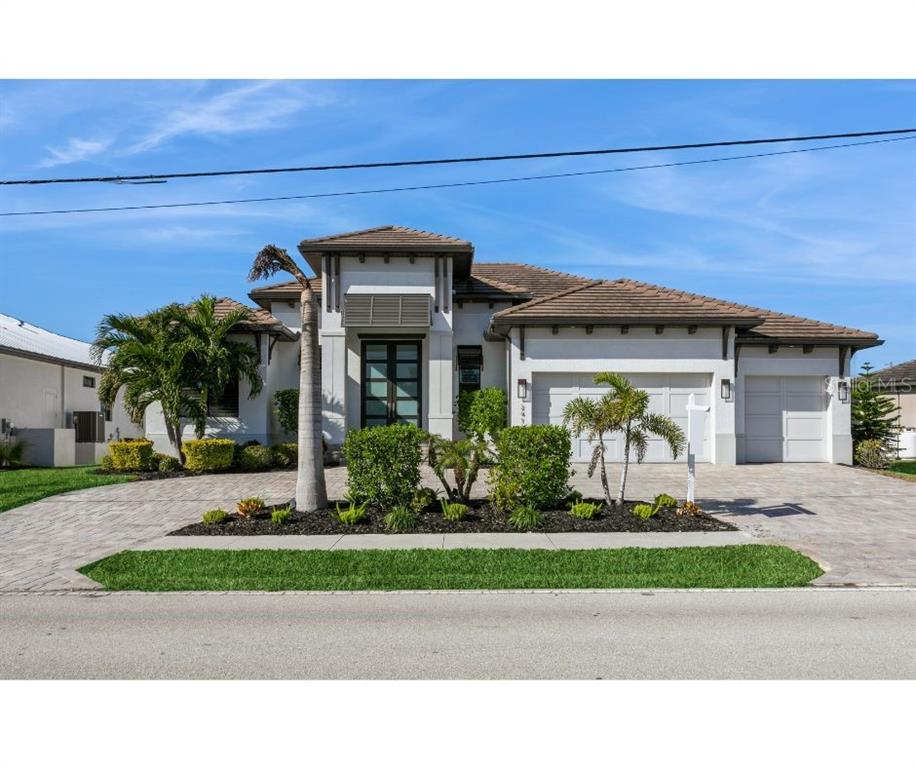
(898, 382)
(49, 397)
(408, 319)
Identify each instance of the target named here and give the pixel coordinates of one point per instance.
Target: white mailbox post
(696, 431)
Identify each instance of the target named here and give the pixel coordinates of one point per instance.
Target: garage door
(668, 394)
(785, 418)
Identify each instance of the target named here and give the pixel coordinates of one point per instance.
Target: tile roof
(18, 336)
(559, 296)
(389, 237)
(537, 281)
(624, 301)
(259, 319)
(903, 374)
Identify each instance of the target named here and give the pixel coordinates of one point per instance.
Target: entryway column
(439, 409)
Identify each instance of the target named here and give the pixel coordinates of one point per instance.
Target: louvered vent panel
(387, 310)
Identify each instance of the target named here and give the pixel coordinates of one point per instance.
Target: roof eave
(809, 341)
(511, 320)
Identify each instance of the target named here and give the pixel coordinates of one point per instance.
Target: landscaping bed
(741, 566)
(481, 518)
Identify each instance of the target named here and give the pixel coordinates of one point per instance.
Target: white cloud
(254, 107)
(75, 151)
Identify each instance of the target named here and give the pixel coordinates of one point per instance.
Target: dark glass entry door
(391, 388)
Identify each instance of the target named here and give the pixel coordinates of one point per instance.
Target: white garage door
(668, 394)
(785, 418)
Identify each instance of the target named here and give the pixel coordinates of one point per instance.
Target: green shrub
(482, 413)
(532, 467)
(215, 516)
(401, 518)
(106, 463)
(383, 463)
(663, 501)
(167, 464)
(423, 498)
(285, 455)
(872, 454)
(247, 507)
(352, 514)
(574, 497)
(281, 515)
(254, 458)
(11, 452)
(584, 510)
(526, 518)
(645, 511)
(453, 511)
(131, 455)
(208, 454)
(286, 402)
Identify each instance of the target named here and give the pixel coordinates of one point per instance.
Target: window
(225, 404)
(470, 363)
(89, 381)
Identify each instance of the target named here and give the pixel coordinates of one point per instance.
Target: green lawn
(22, 486)
(747, 565)
(906, 467)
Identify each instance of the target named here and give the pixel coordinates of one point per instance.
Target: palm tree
(150, 356)
(624, 408)
(311, 494)
(220, 361)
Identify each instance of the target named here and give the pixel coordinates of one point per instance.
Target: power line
(417, 187)
(159, 177)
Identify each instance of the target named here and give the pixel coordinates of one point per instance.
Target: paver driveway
(860, 525)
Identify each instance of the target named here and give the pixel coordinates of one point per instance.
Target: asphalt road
(741, 634)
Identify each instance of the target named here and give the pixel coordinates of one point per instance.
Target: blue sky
(829, 235)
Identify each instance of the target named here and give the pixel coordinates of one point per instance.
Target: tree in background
(624, 408)
(218, 361)
(873, 414)
(177, 356)
(311, 494)
(150, 357)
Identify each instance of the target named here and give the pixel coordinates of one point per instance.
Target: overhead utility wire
(448, 185)
(159, 177)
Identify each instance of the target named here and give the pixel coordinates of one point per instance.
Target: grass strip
(23, 486)
(745, 565)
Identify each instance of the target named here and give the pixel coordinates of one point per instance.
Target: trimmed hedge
(285, 455)
(482, 413)
(208, 454)
(254, 458)
(532, 469)
(383, 464)
(131, 455)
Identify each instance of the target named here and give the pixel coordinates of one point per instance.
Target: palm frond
(639, 444)
(270, 260)
(665, 428)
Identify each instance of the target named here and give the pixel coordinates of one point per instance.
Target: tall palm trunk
(311, 494)
(173, 431)
(626, 466)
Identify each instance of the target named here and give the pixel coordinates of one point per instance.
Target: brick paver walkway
(862, 525)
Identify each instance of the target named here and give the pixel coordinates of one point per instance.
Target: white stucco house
(49, 397)
(409, 318)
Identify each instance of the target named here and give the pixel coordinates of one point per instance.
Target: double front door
(391, 383)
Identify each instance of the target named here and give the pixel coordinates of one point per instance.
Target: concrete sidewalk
(456, 541)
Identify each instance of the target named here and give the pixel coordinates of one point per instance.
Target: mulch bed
(482, 518)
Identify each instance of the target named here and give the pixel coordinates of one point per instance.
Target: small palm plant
(623, 408)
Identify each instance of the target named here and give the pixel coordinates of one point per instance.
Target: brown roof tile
(389, 237)
(258, 319)
(899, 371)
(624, 301)
(537, 281)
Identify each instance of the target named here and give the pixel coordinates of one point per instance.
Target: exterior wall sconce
(725, 389)
(522, 389)
(842, 390)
